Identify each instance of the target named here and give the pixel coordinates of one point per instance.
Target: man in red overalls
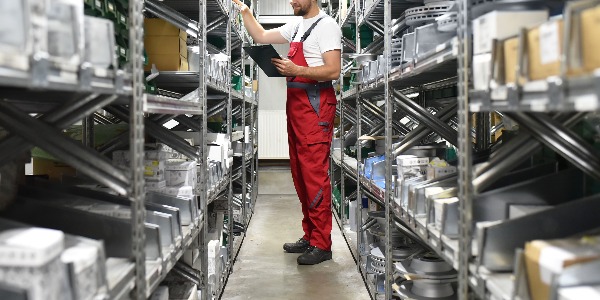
(313, 62)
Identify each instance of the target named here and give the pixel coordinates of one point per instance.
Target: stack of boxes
(545, 43)
(497, 25)
(181, 177)
(166, 46)
(165, 171)
(545, 260)
(530, 47)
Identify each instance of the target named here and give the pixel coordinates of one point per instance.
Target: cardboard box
(165, 45)
(54, 169)
(500, 25)
(544, 49)
(434, 172)
(546, 259)
(590, 28)
(511, 59)
(167, 62)
(160, 27)
(410, 166)
(179, 173)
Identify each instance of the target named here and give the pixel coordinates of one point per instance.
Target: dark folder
(262, 56)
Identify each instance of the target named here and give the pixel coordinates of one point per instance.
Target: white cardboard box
(434, 172)
(178, 173)
(501, 25)
(482, 71)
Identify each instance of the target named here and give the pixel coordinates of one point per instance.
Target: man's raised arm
(256, 31)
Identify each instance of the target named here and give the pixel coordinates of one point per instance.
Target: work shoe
(298, 247)
(314, 256)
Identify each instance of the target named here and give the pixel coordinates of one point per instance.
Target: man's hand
(241, 6)
(286, 67)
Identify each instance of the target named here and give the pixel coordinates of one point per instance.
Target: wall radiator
(272, 135)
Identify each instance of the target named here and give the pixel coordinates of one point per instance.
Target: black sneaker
(314, 256)
(298, 247)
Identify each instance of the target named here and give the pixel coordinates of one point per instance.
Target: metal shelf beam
(40, 134)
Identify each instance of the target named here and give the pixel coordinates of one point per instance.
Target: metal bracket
(119, 81)
(39, 69)
(556, 93)
(85, 77)
(513, 97)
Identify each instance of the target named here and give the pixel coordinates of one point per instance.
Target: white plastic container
(19, 38)
(30, 260)
(428, 38)
(65, 34)
(100, 43)
(408, 47)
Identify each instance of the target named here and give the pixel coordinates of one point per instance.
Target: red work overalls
(310, 110)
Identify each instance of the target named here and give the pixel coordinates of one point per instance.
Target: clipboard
(262, 55)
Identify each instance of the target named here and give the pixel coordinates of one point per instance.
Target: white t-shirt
(326, 36)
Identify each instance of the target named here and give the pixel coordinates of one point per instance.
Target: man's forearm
(320, 73)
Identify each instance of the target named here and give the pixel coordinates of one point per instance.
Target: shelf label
(538, 106)
(586, 103)
(440, 48)
(549, 43)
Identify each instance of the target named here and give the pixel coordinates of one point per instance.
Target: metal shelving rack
(358, 108)
(124, 99)
(545, 109)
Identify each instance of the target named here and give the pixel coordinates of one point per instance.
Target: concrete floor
(264, 271)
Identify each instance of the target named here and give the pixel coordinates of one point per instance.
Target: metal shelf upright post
(202, 92)
(136, 145)
(465, 182)
(230, 222)
(243, 216)
(389, 111)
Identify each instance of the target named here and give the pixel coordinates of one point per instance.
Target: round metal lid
(427, 265)
(412, 290)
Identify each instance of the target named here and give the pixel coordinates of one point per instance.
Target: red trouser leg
(309, 136)
(314, 166)
(297, 177)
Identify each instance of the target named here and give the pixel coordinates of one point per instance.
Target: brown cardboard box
(544, 49)
(167, 62)
(590, 33)
(55, 170)
(158, 27)
(543, 259)
(165, 45)
(511, 59)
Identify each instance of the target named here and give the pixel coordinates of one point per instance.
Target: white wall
(275, 7)
(272, 128)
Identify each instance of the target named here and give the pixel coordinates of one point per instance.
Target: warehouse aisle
(264, 271)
